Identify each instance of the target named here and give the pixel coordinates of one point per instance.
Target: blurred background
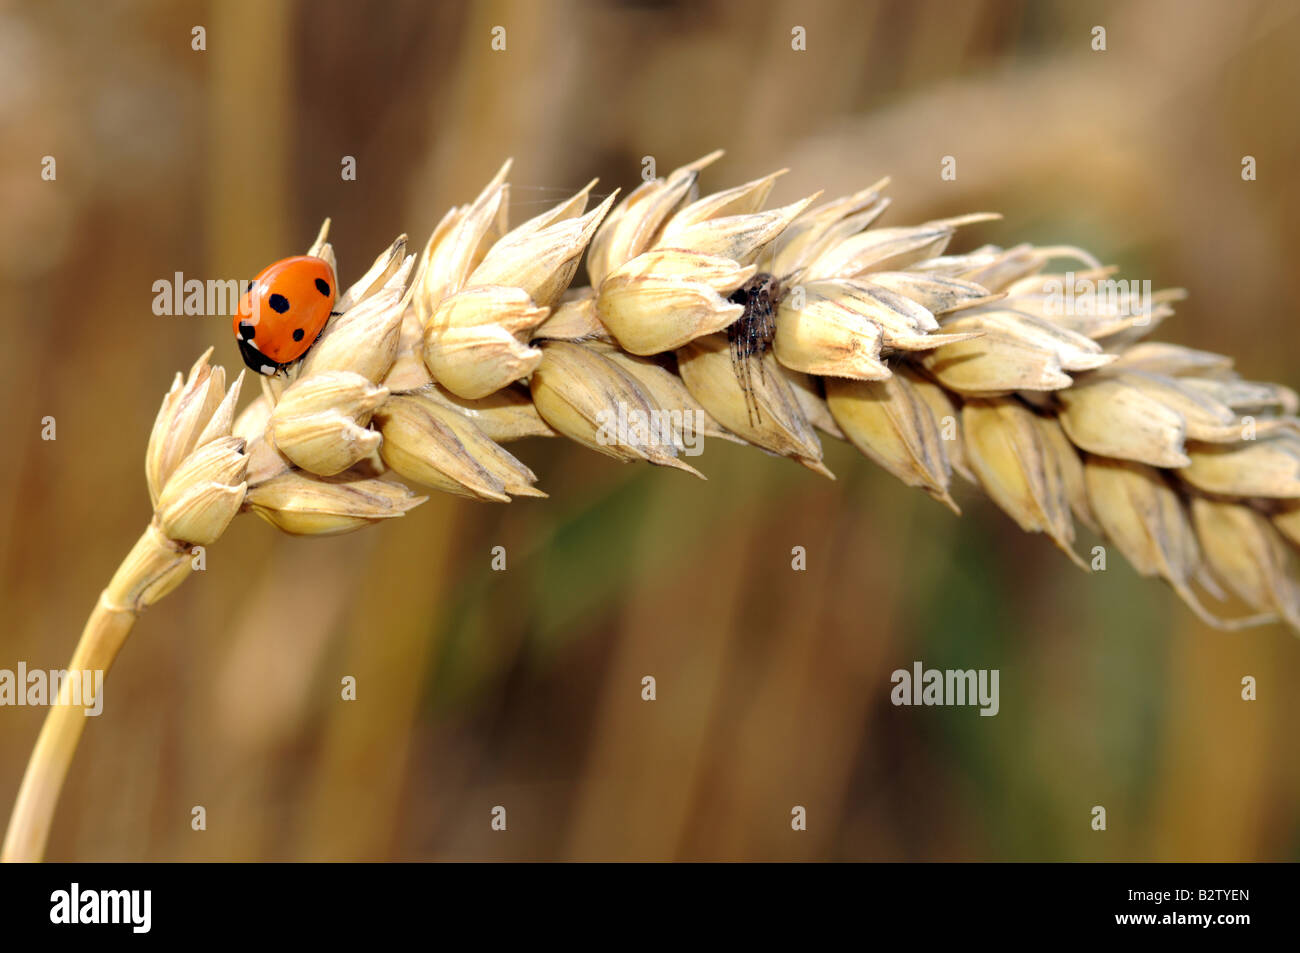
(523, 688)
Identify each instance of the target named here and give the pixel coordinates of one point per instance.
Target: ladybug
(282, 312)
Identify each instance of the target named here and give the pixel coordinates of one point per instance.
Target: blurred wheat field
(479, 688)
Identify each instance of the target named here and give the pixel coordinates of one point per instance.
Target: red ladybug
(283, 311)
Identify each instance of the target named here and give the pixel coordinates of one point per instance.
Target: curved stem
(154, 567)
(29, 825)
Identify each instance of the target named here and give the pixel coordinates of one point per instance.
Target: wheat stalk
(764, 327)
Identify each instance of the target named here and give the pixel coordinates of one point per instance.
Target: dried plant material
(1247, 397)
(196, 409)
(540, 262)
(740, 238)
(1093, 305)
(563, 211)
(1116, 334)
(476, 341)
(659, 289)
(1139, 511)
(811, 402)
(649, 306)
(153, 568)
(947, 418)
(741, 200)
(477, 326)
(264, 461)
(409, 371)
(251, 422)
(1205, 417)
(585, 396)
(575, 318)
(1009, 454)
(320, 421)
(1172, 360)
(981, 266)
(1113, 417)
(303, 505)
(475, 362)
(364, 339)
(1038, 284)
(779, 424)
(1248, 556)
(889, 422)
(930, 361)
(204, 493)
(386, 266)
(458, 243)
(992, 364)
(1073, 352)
(325, 443)
(633, 224)
(665, 389)
(888, 249)
(722, 275)
(1287, 520)
(515, 478)
(822, 228)
(195, 468)
(1268, 468)
(937, 295)
(433, 445)
(874, 312)
(1071, 466)
(827, 337)
(1002, 270)
(508, 414)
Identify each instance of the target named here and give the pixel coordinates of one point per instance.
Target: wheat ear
(759, 326)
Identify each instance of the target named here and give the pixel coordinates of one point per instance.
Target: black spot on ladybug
(250, 287)
(323, 286)
(247, 330)
(297, 334)
(279, 303)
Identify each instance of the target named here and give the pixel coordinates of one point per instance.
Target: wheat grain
(929, 363)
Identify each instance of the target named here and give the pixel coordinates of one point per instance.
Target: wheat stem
(153, 558)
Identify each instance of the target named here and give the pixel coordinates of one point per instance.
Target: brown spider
(750, 335)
